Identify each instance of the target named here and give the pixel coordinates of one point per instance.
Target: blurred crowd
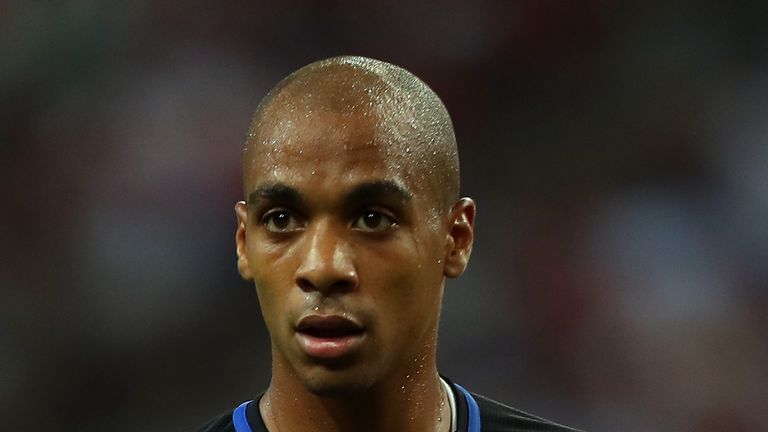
(618, 153)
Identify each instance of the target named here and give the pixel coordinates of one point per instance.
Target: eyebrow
(365, 192)
(376, 191)
(276, 192)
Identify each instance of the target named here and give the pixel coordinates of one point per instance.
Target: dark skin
(337, 224)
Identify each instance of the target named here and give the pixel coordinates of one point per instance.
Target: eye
(373, 221)
(280, 221)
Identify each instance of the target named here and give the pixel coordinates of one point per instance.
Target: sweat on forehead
(407, 119)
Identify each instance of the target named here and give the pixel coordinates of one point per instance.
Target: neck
(413, 401)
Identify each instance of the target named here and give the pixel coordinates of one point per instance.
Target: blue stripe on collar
(473, 410)
(239, 418)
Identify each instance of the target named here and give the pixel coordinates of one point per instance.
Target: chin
(333, 383)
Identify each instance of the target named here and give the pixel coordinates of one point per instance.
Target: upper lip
(329, 323)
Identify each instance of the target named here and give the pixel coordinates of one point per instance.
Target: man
(351, 223)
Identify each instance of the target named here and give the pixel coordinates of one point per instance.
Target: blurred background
(618, 152)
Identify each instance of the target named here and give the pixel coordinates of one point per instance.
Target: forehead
(324, 145)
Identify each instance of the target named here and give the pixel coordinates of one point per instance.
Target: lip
(329, 337)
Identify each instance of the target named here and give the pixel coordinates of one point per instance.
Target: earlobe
(241, 248)
(459, 238)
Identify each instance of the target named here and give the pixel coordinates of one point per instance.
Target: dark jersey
(474, 413)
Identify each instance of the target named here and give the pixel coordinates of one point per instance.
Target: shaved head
(403, 118)
(352, 222)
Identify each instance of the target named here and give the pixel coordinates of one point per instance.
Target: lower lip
(329, 348)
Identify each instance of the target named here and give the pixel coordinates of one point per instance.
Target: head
(351, 222)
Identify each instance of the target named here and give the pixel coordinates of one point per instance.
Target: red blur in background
(616, 150)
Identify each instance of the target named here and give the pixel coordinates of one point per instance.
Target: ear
(241, 210)
(458, 240)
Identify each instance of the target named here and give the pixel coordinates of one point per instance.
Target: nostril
(343, 285)
(339, 285)
(305, 285)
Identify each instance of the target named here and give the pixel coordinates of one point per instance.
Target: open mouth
(329, 337)
(328, 327)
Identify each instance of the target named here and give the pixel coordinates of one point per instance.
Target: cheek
(271, 278)
(269, 262)
(403, 284)
(408, 312)
(268, 302)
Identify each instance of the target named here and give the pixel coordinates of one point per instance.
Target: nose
(327, 265)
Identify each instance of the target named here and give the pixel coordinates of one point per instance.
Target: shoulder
(496, 416)
(222, 423)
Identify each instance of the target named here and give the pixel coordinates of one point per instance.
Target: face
(347, 254)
